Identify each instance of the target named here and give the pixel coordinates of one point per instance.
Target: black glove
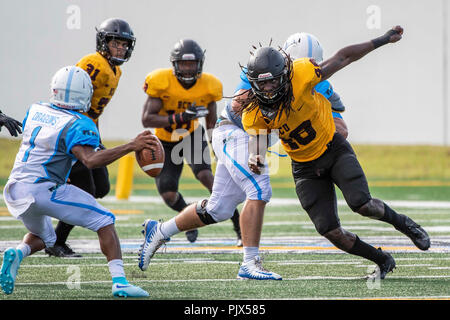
(193, 112)
(13, 126)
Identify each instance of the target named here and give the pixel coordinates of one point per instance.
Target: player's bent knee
(203, 214)
(371, 208)
(358, 201)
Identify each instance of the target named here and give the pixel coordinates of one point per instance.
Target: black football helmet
(187, 49)
(267, 63)
(114, 29)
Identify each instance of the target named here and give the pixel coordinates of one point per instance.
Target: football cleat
(9, 269)
(416, 233)
(383, 269)
(192, 235)
(254, 270)
(62, 251)
(128, 290)
(153, 240)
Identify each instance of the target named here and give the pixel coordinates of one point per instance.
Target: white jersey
(49, 133)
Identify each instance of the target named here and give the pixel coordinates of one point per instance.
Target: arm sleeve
(82, 132)
(325, 88)
(336, 103)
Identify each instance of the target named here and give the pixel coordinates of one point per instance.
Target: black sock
(235, 220)
(62, 231)
(392, 217)
(365, 250)
(179, 205)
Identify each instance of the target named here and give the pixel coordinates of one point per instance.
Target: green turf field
(414, 180)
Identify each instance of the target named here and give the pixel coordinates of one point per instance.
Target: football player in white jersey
(234, 183)
(55, 136)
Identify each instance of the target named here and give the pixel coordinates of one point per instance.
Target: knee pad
(203, 214)
(178, 205)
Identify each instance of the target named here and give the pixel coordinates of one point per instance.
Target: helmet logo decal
(188, 56)
(265, 75)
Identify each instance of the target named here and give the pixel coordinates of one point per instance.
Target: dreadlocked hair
(249, 101)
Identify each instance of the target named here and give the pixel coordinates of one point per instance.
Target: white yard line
(284, 201)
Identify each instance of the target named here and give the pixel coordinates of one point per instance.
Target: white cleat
(254, 270)
(128, 290)
(9, 269)
(153, 240)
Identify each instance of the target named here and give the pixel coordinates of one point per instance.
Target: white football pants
(35, 204)
(233, 180)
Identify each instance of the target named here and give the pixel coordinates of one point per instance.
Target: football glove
(13, 126)
(193, 112)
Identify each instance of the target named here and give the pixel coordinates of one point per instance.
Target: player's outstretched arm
(349, 54)
(13, 126)
(95, 159)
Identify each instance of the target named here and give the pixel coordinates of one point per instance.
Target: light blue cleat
(153, 240)
(128, 290)
(8, 273)
(255, 271)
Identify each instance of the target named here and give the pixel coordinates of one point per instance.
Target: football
(151, 160)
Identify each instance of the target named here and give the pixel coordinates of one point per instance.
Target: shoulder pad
(157, 81)
(214, 85)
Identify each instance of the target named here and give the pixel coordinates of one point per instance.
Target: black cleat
(383, 269)
(62, 251)
(416, 233)
(192, 235)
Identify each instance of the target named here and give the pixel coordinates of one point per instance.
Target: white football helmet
(71, 88)
(303, 45)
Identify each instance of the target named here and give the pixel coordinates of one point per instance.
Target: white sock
(116, 268)
(250, 253)
(169, 228)
(25, 249)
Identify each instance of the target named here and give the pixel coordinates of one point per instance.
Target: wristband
(384, 39)
(172, 119)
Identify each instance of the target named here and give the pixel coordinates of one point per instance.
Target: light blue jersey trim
(241, 169)
(337, 115)
(32, 144)
(69, 83)
(309, 46)
(82, 205)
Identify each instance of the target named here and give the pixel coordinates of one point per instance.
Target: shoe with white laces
(128, 290)
(8, 273)
(153, 240)
(254, 270)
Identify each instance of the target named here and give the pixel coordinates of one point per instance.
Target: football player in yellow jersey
(283, 98)
(115, 43)
(177, 98)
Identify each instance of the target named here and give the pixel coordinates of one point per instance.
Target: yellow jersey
(309, 127)
(104, 81)
(163, 84)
